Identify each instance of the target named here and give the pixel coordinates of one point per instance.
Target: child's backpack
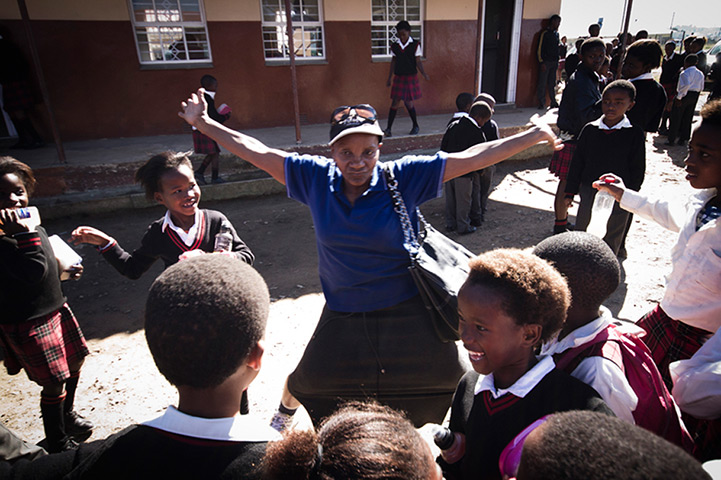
(656, 410)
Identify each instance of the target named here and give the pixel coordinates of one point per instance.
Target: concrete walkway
(99, 173)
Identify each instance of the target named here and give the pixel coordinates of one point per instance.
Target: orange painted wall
(98, 89)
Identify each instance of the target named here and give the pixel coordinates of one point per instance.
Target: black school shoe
(77, 426)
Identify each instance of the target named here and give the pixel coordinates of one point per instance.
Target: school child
(510, 303)
(405, 65)
(690, 311)
(225, 306)
(690, 84)
(600, 351)
(609, 144)
(463, 105)
(490, 130)
(580, 104)
(642, 57)
(204, 144)
(168, 179)
(588, 445)
(715, 75)
(38, 331)
(359, 440)
(460, 135)
(670, 70)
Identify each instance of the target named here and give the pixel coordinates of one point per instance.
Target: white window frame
(390, 26)
(176, 22)
(301, 28)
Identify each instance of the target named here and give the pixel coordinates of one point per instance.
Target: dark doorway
(498, 25)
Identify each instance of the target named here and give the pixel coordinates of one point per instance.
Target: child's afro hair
(9, 165)
(711, 113)
(648, 51)
(203, 317)
(464, 101)
(591, 269)
(592, 445)
(148, 175)
(623, 85)
(533, 292)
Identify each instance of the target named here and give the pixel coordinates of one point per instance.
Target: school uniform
(650, 103)
(479, 202)
(621, 150)
(202, 143)
(490, 417)
(460, 135)
(38, 331)
(405, 81)
(605, 354)
(174, 445)
(690, 310)
(166, 241)
(690, 85)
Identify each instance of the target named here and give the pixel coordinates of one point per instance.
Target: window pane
(272, 11)
(274, 42)
(413, 11)
(378, 11)
(309, 12)
(190, 10)
(379, 40)
(143, 11)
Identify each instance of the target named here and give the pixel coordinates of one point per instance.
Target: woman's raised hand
(194, 107)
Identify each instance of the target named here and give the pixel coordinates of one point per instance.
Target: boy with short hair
(573, 445)
(463, 105)
(600, 351)
(460, 135)
(580, 104)
(609, 144)
(690, 84)
(670, 69)
(205, 320)
(510, 303)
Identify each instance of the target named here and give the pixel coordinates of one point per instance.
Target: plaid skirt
(44, 346)
(670, 340)
(561, 160)
(18, 96)
(204, 144)
(405, 87)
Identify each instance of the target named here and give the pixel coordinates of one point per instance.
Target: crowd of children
(538, 339)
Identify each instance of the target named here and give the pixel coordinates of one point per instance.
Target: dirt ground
(120, 385)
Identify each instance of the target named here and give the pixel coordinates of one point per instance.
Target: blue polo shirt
(362, 263)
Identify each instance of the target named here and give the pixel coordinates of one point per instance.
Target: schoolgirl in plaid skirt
(404, 68)
(38, 331)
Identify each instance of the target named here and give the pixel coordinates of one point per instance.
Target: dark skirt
(44, 346)
(204, 144)
(561, 160)
(406, 87)
(391, 355)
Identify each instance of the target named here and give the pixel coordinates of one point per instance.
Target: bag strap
(410, 239)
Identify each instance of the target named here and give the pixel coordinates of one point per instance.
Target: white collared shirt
(245, 428)
(690, 80)
(643, 76)
(600, 373)
(599, 122)
(523, 385)
(187, 238)
(697, 381)
(404, 45)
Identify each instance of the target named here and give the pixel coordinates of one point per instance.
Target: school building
(120, 68)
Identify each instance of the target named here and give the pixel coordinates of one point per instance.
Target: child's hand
(610, 183)
(11, 223)
(75, 271)
(90, 235)
(194, 107)
(190, 254)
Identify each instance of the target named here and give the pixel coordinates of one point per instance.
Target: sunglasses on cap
(357, 114)
(510, 458)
